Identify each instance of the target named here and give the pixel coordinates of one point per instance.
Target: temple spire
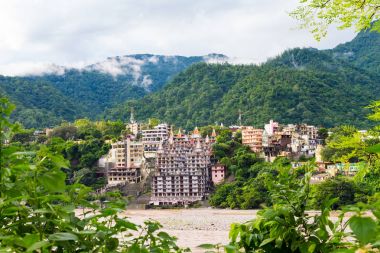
(179, 135)
(198, 147)
(196, 133)
(213, 134)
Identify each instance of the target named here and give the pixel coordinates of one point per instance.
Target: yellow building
(253, 138)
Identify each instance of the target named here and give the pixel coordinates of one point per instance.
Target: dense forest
(49, 99)
(321, 87)
(301, 85)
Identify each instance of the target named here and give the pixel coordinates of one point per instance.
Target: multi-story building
(151, 138)
(253, 138)
(119, 149)
(278, 140)
(272, 127)
(277, 144)
(182, 171)
(127, 157)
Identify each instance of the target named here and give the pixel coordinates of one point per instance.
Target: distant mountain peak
(216, 58)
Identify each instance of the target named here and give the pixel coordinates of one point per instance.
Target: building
(151, 138)
(276, 145)
(253, 138)
(182, 171)
(272, 127)
(124, 162)
(281, 140)
(348, 169)
(218, 173)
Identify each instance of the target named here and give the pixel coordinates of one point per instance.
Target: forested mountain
(321, 87)
(72, 93)
(363, 51)
(301, 85)
(38, 102)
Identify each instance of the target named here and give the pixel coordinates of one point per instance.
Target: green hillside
(48, 99)
(321, 87)
(38, 102)
(206, 93)
(363, 51)
(301, 85)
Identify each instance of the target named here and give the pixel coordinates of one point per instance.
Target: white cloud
(31, 68)
(125, 65)
(70, 32)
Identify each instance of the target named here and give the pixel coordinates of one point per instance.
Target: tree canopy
(318, 15)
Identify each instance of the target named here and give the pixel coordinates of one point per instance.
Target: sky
(37, 35)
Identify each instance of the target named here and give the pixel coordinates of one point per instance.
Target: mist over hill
(321, 87)
(59, 93)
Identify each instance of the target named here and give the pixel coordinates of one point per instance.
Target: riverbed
(193, 227)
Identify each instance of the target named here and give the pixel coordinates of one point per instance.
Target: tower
(213, 134)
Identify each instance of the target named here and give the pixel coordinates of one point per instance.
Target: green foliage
(292, 88)
(363, 51)
(45, 101)
(345, 190)
(347, 144)
(318, 15)
(65, 132)
(39, 212)
(23, 136)
(250, 172)
(375, 107)
(287, 227)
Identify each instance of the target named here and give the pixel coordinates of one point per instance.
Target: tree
(39, 212)
(23, 136)
(318, 15)
(375, 107)
(65, 131)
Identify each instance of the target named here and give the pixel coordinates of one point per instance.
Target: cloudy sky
(36, 33)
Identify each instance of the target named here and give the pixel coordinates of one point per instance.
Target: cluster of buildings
(182, 166)
(184, 169)
(276, 140)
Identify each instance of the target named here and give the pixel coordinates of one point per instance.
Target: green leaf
(206, 246)
(230, 248)
(375, 149)
(60, 162)
(134, 249)
(266, 241)
(38, 245)
(126, 224)
(164, 235)
(364, 228)
(112, 244)
(53, 181)
(63, 237)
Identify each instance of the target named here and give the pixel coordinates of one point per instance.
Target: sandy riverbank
(193, 227)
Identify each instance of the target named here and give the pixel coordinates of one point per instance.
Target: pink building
(272, 127)
(218, 173)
